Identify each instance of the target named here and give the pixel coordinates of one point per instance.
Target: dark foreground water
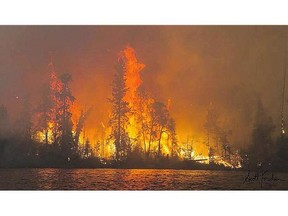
(137, 179)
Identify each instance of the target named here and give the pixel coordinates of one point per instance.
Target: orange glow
(140, 105)
(133, 81)
(132, 70)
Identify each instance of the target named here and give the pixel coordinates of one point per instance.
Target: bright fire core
(147, 132)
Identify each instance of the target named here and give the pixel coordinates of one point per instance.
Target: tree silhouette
(87, 151)
(120, 111)
(64, 116)
(212, 130)
(4, 133)
(260, 150)
(172, 133)
(44, 111)
(55, 86)
(160, 116)
(80, 125)
(143, 119)
(24, 123)
(4, 122)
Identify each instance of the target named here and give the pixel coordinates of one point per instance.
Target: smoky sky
(231, 67)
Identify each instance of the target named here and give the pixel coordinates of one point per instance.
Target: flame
(140, 107)
(40, 136)
(133, 69)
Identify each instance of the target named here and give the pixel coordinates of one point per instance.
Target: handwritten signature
(261, 176)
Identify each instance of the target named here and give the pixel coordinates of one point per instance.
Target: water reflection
(121, 179)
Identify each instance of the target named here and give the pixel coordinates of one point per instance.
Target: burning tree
(120, 111)
(160, 116)
(80, 124)
(133, 81)
(172, 134)
(44, 111)
(145, 121)
(64, 116)
(161, 123)
(87, 151)
(54, 92)
(54, 114)
(48, 110)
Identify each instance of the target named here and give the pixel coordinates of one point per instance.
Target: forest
(140, 133)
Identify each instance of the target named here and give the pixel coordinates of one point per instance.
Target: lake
(136, 179)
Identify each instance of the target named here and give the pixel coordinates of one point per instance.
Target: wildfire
(133, 76)
(133, 69)
(142, 129)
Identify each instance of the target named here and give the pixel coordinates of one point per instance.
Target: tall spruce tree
(65, 116)
(120, 112)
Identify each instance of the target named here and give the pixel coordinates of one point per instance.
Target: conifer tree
(120, 111)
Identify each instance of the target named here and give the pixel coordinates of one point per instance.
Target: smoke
(193, 66)
(231, 67)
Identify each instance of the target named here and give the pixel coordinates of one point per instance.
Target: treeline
(220, 148)
(269, 148)
(45, 135)
(141, 131)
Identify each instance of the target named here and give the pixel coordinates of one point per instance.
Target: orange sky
(230, 66)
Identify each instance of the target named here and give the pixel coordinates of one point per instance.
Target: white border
(143, 203)
(148, 12)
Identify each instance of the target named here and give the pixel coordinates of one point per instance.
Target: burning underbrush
(139, 127)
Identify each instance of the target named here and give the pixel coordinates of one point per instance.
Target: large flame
(133, 81)
(132, 69)
(140, 107)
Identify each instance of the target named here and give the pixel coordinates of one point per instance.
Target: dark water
(134, 179)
